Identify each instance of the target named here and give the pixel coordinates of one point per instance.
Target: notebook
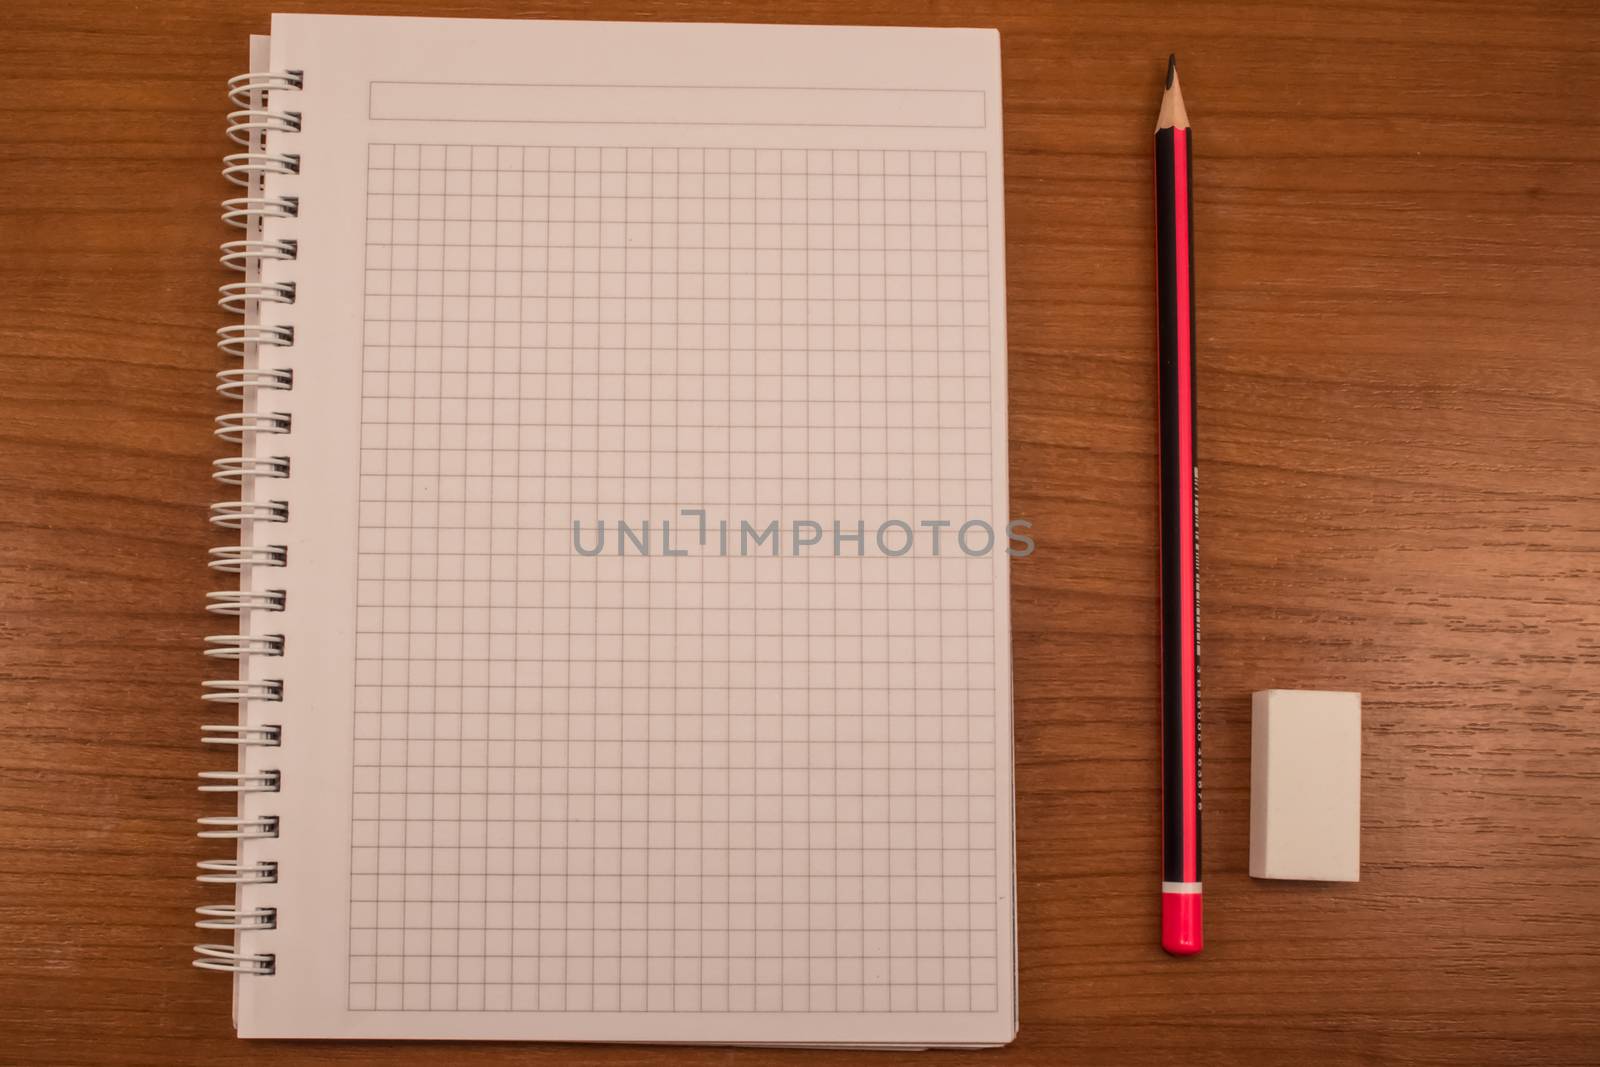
(623, 642)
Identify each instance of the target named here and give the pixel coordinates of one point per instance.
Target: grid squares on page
(672, 784)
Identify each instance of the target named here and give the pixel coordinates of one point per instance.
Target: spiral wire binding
(239, 338)
(229, 958)
(245, 168)
(238, 646)
(242, 736)
(236, 383)
(233, 872)
(240, 298)
(229, 917)
(240, 210)
(247, 90)
(239, 782)
(265, 128)
(238, 470)
(236, 559)
(231, 691)
(235, 426)
(243, 601)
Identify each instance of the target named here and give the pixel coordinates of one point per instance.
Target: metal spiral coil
(239, 782)
(243, 255)
(266, 124)
(233, 872)
(241, 736)
(248, 90)
(236, 383)
(240, 297)
(236, 470)
(244, 168)
(229, 958)
(236, 425)
(237, 514)
(236, 559)
(231, 917)
(238, 646)
(241, 211)
(248, 123)
(233, 691)
(242, 601)
(242, 338)
(236, 827)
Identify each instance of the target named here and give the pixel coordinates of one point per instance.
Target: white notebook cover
(559, 271)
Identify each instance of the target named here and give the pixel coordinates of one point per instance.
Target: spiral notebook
(623, 647)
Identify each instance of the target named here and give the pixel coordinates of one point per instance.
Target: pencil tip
(1172, 112)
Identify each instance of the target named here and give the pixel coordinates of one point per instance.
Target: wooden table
(1399, 258)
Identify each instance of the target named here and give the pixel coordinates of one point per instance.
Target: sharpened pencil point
(1172, 112)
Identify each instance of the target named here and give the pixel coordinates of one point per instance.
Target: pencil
(1180, 538)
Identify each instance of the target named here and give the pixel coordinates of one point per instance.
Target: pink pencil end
(1181, 923)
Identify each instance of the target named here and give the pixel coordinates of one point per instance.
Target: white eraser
(1305, 785)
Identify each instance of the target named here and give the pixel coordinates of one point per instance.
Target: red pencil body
(1180, 609)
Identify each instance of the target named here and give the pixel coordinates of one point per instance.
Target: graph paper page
(648, 671)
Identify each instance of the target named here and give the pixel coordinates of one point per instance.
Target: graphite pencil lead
(1172, 68)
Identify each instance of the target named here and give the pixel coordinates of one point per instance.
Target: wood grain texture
(1397, 230)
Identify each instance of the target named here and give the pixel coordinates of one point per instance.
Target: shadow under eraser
(1305, 785)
